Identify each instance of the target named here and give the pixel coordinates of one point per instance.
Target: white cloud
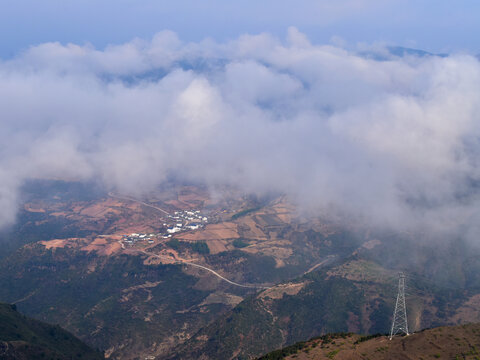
(395, 142)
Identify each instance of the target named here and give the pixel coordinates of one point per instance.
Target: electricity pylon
(400, 323)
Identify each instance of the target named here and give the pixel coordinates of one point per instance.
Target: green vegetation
(282, 353)
(113, 300)
(332, 354)
(240, 243)
(305, 345)
(245, 212)
(32, 227)
(60, 287)
(322, 306)
(32, 339)
(367, 337)
(330, 337)
(227, 334)
(174, 244)
(200, 247)
(255, 268)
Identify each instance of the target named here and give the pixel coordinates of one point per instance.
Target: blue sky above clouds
(432, 25)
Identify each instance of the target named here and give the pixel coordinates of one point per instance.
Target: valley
(225, 180)
(189, 272)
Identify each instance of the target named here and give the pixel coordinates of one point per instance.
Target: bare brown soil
(217, 246)
(119, 215)
(103, 247)
(226, 230)
(458, 342)
(57, 243)
(469, 311)
(34, 208)
(179, 204)
(250, 229)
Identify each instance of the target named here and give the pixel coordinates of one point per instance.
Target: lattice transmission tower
(400, 323)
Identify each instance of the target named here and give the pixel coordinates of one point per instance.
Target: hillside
(25, 338)
(255, 276)
(355, 296)
(449, 342)
(143, 299)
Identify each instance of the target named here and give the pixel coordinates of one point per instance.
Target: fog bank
(392, 140)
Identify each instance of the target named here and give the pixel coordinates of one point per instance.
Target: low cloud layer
(393, 141)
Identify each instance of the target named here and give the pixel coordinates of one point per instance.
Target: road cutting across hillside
(138, 201)
(184, 262)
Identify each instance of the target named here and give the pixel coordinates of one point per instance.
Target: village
(180, 221)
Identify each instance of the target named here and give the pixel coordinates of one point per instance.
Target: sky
(432, 25)
(321, 111)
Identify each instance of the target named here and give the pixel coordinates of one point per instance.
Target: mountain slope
(25, 338)
(450, 342)
(354, 296)
(143, 299)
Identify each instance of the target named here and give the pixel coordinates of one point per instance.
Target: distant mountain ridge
(389, 52)
(25, 338)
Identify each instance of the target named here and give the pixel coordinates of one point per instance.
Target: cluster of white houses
(181, 221)
(134, 237)
(185, 220)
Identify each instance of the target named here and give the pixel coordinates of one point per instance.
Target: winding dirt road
(251, 286)
(183, 261)
(137, 201)
(328, 260)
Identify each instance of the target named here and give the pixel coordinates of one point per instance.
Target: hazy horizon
(434, 26)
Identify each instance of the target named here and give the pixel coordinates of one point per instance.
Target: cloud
(393, 142)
